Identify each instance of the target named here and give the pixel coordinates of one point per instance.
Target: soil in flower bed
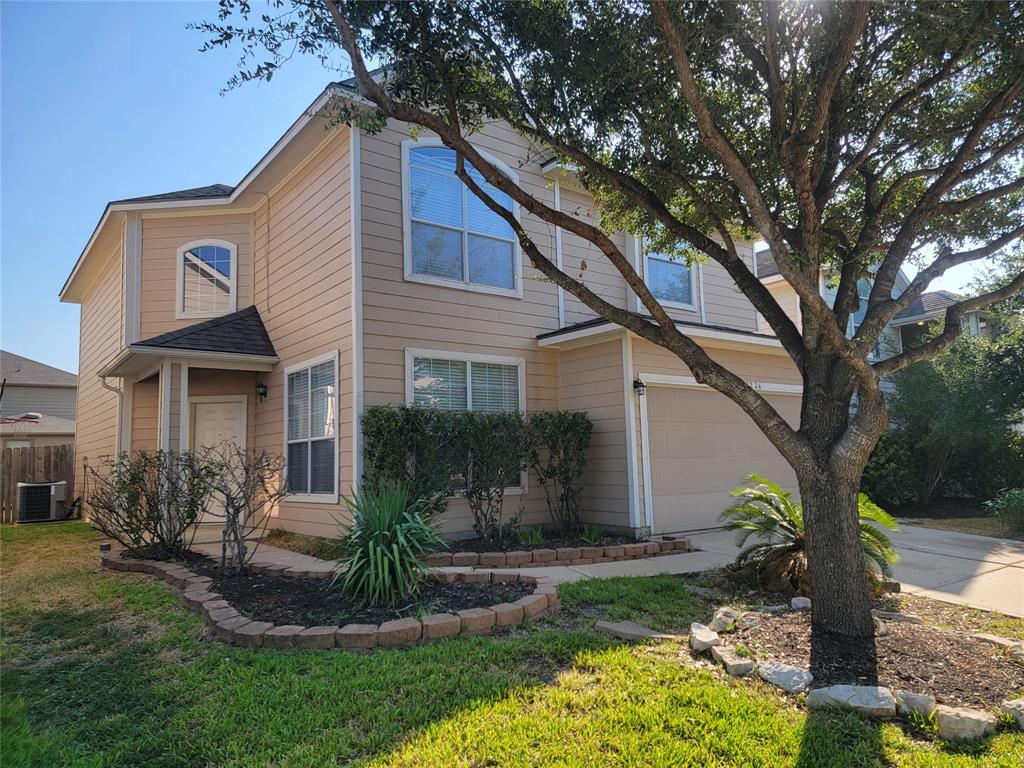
(956, 669)
(310, 602)
(551, 541)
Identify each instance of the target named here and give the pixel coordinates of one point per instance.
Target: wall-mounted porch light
(640, 387)
(261, 390)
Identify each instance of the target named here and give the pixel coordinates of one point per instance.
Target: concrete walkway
(978, 571)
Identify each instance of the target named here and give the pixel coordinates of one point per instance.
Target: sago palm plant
(384, 548)
(767, 512)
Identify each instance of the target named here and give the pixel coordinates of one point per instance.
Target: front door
(215, 422)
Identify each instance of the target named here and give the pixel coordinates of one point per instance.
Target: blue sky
(102, 101)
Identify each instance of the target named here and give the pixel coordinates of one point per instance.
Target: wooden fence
(44, 464)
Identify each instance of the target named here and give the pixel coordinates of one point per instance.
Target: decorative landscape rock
(702, 638)
(725, 618)
(789, 678)
(630, 630)
(800, 603)
(996, 640)
(866, 699)
(774, 610)
(963, 723)
(1015, 709)
(908, 702)
(737, 666)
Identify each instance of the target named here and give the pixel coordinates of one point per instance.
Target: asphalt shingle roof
(929, 303)
(240, 333)
(44, 425)
(766, 266)
(195, 193)
(22, 371)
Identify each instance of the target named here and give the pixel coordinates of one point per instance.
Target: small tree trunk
(840, 600)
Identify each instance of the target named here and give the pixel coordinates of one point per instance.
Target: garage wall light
(640, 387)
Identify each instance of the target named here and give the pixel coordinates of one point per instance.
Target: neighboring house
(37, 406)
(348, 270)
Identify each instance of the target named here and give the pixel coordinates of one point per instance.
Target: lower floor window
(465, 384)
(311, 395)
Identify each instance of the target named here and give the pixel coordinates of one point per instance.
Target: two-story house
(348, 270)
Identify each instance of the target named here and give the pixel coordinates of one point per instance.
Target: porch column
(184, 412)
(170, 420)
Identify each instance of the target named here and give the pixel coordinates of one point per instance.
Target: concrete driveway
(978, 571)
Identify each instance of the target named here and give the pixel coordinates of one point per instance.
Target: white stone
(724, 619)
(775, 610)
(1015, 709)
(1017, 651)
(906, 618)
(996, 640)
(737, 666)
(800, 603)
(702, 638)
(867, 699)
(788, 678)
(908, 701)
(963, 723)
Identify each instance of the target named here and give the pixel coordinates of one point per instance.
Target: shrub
(1008, 507)
(778, 558)
(498, 453)
(531, 537)
(383, 549)
(559, 442)
(592, 534)
(418, 447)
(890, 475)
(249, 484)
(149, 502)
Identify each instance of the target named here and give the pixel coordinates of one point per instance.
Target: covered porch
(197, 387)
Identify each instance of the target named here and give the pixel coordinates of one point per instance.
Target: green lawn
(108, 669)
(980, 526)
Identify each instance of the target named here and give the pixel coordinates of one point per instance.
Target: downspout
(120, 402)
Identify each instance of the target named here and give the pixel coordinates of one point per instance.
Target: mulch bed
(956, 669)
(311, 602)
(551, 541)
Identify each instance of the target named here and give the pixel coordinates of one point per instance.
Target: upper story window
(670, 279)
(451, 237)
(206, 278)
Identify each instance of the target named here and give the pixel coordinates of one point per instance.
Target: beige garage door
(701, 447)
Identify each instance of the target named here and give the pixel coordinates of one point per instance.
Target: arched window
(451, 237)
(206, 278)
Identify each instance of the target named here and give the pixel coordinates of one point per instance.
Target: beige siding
(161, 238)
(303, 292)
(53, 401)
(101, 335)
(400, 314)
(724, 303)
(146, 414)
(786, 297)
(591, 379)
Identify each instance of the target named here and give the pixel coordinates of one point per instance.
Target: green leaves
(384, 548)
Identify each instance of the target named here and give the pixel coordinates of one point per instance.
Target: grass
(108, 669)
(980, 526)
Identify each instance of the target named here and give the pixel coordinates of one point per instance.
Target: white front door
(217, 421)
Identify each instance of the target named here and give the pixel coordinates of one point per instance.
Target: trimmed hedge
(437, 454)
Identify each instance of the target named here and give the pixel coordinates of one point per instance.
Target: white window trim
(517, 255)
(314, 498)
(689, 307)
(179, 301)
(469, 357)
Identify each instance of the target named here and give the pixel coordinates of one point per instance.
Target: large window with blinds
(311, 425)
(669, 278)
(451, 237)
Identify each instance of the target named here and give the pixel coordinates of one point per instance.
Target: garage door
(701, 447)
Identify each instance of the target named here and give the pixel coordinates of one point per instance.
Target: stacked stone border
(539, 558)
(229, 626)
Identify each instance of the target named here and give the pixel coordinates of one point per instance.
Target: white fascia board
(594, 334)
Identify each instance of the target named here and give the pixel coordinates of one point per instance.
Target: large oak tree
(853, 138)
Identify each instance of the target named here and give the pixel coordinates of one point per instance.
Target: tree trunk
(840, 600)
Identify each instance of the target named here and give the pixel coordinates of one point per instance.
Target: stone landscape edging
(230, 626)
(564, 556)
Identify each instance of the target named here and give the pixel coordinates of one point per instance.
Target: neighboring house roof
(43, 425)
(240, 333)
(927, 304)
(766, 266)
(22, 371)
(195, 193)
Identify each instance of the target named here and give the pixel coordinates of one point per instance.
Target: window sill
(312, 498)
(512, 293)
(201, 315)
(677, 305)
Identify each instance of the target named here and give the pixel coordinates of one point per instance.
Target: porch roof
(239, 339)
